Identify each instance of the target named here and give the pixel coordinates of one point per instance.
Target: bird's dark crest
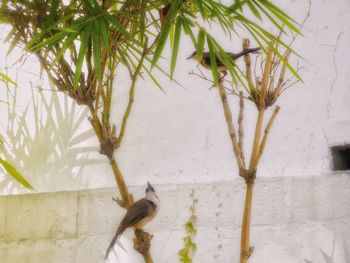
(149, 188)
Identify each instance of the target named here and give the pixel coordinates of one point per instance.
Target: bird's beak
(189, 57)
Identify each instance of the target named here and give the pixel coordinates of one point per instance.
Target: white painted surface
(179, 140)
(181, 136)
(293, 219)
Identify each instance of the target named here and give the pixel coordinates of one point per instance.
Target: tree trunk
(245, 234)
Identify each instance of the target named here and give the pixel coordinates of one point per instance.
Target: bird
(222, 68)
(138, 215)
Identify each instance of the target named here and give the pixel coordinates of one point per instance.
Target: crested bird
(137, 215)
(206, 63)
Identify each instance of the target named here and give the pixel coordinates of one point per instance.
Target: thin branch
(126, 63)
(240, 126)
(126, 198)
(231, 129)
(131, 94)
(248, 62)
(266, 133)
(202, 76)
(261, 107)
(266, 76)
(109, 88)
(294, 36)
(290, 85)
(256, 143)
(274, 69)
(279, 87)
(256, 64)
(302, 24)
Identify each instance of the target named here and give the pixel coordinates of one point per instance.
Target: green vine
(189, 246)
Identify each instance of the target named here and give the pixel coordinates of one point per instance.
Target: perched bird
(206, 63)
(138, 215)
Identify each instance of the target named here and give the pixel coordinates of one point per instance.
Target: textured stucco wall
(293, 219)
(179, 141)
(181, 136)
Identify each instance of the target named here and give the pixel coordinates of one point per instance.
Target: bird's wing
(135, 213)
(206, 60)
(138, 211)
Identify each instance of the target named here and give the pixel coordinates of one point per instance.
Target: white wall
(179, 140)
(181, 136)
(294, 219)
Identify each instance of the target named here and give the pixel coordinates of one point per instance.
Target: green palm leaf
(84, 41)
(175, 46)
(165, 30)
(11, 170)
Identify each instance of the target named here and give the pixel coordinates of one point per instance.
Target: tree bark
(245, 234)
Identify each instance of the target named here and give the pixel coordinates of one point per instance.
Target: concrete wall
(293, 219)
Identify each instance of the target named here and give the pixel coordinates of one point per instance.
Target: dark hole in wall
(340, 158)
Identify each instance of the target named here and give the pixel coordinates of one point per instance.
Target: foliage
(261, 90)
(99, 35)
(189, 246)
(4, 79)
(12, 171)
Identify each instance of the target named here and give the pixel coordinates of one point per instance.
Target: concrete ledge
(287, 212)
(38, 216)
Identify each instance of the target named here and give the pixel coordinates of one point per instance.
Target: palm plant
(263, 92)
(81, 44)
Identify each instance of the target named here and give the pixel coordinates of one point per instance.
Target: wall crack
(335, 73)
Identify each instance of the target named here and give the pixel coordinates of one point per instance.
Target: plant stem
(123, 189)
(245, 234)
(230, 127)
(126, 198)
(267, 130)
(256, 144)
(147, 257)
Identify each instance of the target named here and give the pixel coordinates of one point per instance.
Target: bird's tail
(114, 240)
(244, 52)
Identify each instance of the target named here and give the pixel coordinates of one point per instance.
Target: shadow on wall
(47, 143)
(331, 258)
(308, 242)
(124, 252)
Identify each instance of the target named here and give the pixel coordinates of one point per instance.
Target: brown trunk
(245, 234)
